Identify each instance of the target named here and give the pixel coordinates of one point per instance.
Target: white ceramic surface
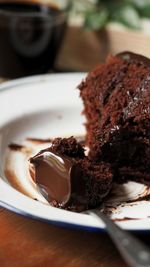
(47, 106)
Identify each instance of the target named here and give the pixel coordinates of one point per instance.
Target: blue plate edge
(62, 224)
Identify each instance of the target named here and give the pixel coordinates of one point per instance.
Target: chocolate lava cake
(116, 97)
(69, 179)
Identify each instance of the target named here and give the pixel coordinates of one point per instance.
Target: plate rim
(10, 84)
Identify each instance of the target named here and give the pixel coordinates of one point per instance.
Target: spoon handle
(134, 252)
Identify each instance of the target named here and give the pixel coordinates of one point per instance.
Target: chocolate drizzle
(15, 147)
(126, 219)
(39, 140)
(132, 57)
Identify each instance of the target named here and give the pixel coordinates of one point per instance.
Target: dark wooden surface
(28, 243)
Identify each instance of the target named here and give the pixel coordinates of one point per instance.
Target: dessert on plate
(116, 97)
(68, 178)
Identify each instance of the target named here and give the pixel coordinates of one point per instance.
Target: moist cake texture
(116, 97)
(68, 178)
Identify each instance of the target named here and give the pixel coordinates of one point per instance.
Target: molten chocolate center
(52, 174)
(57, 177)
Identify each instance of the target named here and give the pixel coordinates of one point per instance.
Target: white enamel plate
(44, 107)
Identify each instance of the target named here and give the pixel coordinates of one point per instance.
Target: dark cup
(30, 36)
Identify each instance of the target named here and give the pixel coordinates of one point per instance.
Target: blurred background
(99, 27)
(40, 36)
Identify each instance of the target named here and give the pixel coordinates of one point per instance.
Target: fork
(134, 252)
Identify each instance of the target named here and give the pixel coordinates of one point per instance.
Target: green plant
(97, 13)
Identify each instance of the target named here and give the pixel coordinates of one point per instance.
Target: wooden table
(28, 243)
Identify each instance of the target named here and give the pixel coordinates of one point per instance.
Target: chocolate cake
(69, 179)
(116, 97)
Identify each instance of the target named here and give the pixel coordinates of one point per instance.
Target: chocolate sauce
(141, 198)
(126, 219)
(30, 37)
(15, 147)
(39, 140)
(59, 178)
(129, 56)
